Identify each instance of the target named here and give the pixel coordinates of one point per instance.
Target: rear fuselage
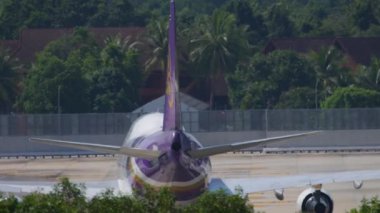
(186, 177)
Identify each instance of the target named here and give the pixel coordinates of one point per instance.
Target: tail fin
(172, 114)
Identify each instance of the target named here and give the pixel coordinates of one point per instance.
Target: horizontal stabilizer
(142, 153)
(10, 189)
(21, 187)
(213, 150)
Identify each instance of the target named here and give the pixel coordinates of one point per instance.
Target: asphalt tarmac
(226, 165)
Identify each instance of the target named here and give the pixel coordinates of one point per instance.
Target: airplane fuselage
(186, 177)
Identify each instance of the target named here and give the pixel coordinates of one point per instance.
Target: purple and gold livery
(186, 177)
(159, 153)
(172, 109)
(156, 149)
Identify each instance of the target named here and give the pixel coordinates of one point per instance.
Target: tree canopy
(261, 83)
(265, 19)
(77, 75)
(60, 74)
(16, 15)
(219, 45)
(114, 85)
(9, 76)
(215, 38)
(352, 97)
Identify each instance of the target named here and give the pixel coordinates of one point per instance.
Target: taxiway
(226, 165)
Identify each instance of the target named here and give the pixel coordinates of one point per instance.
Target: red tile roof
(32, 41)
(298, 44)
(10, 45)
(359, 49)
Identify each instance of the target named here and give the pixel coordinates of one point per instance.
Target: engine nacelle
(279, 193)
(358, 184)
(312, 200)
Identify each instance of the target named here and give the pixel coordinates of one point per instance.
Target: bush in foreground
(69, 197)
(368, 206)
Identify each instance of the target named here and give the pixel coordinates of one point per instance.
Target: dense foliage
(16, 15)
(79, 76)
(218, 46)
(261, 83)
(62, 70)
(214, 38)
(368, 206)
(265, 18)
(115, 83)
(70, 197)
(352, 97)
(369, 76)
(8, 80)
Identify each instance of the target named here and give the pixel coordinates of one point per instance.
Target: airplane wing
(250, 185)
(134, 152)
(213, 150)
(20, 188)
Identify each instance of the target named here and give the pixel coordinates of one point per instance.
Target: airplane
(158, 152)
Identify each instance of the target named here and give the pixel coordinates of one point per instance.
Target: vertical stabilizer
(172, 114)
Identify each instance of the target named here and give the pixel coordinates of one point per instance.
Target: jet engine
(314, 200)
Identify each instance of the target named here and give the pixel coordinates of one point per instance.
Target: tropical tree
(308, 19)
(352, 97)
(107, 201)
(115, 84)
(157, 51)
(369, 76)
(331, 71)
(221, 201)
(8, 80)
(279, 22)
(115, 13)
(70, 197)
(65, 197)
(61, 74)
(364, 13)
(368, 206)
(8, 203)
(12, 18)
(157, 41)
(252, 17)
(16, 15)
(260, 83)
(298, 97)
(218, 46)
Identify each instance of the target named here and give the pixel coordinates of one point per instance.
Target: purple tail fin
(172, 116)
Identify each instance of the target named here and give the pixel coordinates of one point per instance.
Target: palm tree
(218, 46)
(331, 71)
(8, 81)
(157, 41)
(117, 80)
(369, 76)
(116, 48)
